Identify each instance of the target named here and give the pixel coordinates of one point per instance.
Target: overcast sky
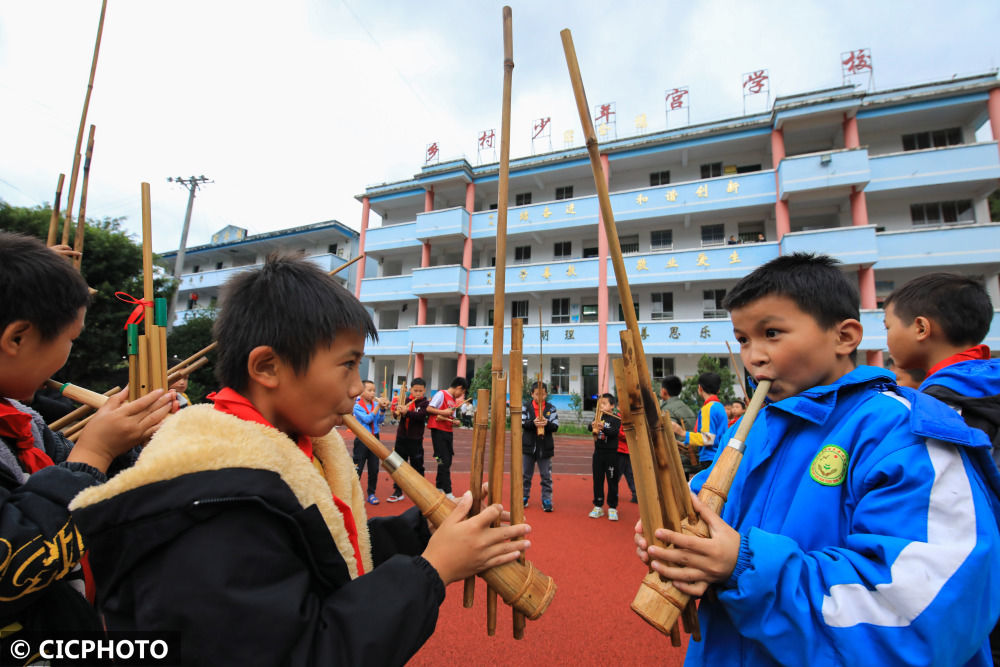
(293, 107)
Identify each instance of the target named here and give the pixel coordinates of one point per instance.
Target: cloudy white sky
(293, 107)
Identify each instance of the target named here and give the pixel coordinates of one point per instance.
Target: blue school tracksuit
(711, 424)
(868, 522)
(972, 387)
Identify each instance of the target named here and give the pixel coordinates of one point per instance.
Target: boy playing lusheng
(43, 301)
(936, 324)
(861, 526)
(370, 411)
(605, 460)
(538, 413)
(442, 422)
(410, 434)
(711, 422)
(243, 527)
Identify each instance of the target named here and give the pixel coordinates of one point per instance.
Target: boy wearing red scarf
(243, 525)
(711, 422)
(43, 301)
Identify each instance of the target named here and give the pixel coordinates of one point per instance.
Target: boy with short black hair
(670, 400)
(604, 463)
(410, 434)
(370, 411)
(243, 525)
(861, 526)
(442, 423)
(43, 301)
(536, 414)
(710, 424)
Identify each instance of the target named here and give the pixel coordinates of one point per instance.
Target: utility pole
(192, 184)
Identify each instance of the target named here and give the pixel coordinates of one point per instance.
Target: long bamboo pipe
(521, 585)
(78, 413)
(516, 382)
(54, 218)
(479, 432)
(81, 222)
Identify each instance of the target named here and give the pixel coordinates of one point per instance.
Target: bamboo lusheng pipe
(211, 346)
(540, 430)
(736, 370)
(157, 374)
(81, 220)
(516, 383)
(83, 123)
(54, 218)
(77, 414)
(186, 372)
(660, 603)
(498, 403)
(404, 390)
(519, 584)
(479, 432)
(78, 394)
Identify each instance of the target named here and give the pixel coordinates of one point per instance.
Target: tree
(186, 339)
(709, 364)
(112, 262)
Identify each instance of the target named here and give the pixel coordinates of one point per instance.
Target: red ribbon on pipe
(139, 312)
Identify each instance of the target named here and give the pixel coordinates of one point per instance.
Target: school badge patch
(829, 468)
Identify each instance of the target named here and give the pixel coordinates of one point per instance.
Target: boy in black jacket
(243, 525)
(605, 428)
(538, 414)
(43, 301)
(410, 434)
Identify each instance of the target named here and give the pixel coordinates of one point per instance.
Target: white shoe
(612, 514)
(597, 513)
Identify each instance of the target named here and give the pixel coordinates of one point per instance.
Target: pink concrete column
(866, 285)
(993, 108)
(851, 138)
(463, 312)
(425, 260)
(602, 292)
(782, 219)
(359, 276)
(859, 207)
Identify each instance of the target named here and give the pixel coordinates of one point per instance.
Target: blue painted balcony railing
(391, 288)
(519, 278)
(850, 245)
(439, 281)
(390, 342)
(440, 338)
(443, 223)
(953, 245)
(818, 171)
(538, 218)
(712, 263)
(392, 237)
(206, 279)
(955, 164)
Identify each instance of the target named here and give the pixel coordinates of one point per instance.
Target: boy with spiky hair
(243, 525)
(861, 525)
(43, 302)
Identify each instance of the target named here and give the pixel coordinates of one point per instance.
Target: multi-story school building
(892, 183)
(207, 267)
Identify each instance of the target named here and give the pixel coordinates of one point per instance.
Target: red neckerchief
(232, 403)
(538, 413)
(17, 425)
(977, 352)
(711, 398)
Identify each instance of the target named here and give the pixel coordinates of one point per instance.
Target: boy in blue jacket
(711, 423)
(861, 526)
(370, 411)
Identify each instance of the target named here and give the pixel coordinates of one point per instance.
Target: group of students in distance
(861, 527)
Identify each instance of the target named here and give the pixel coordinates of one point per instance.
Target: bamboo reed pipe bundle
(516, 380)
(521, 585)
(480, 430)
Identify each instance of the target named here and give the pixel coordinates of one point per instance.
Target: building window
(489, 317)
(750, 232)
(713, 234)
(588, 312)
(936, 213)
(559, 375)
(662, 367)
(621, 314)
(197, 269)
(589, 252)
(560, 311)
(332, 248)
(519, 309)
(522, 254)
(712, 304)
(662, 239)
(522, 199)
(565, 192)
(747, 168)
(711, 170)
(562, 249)
(933, 139)
(663, 306)
(218, 266)
(629, 244)
(659, 178)
(493, 207)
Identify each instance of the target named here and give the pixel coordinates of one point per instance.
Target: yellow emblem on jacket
(829, 467)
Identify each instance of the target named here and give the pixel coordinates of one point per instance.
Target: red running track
(592, 561)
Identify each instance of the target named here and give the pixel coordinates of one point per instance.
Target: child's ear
(263, 366)
(849, 334)
(13, 335)
(922, 327)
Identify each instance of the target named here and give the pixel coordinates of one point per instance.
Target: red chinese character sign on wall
(487, 145)
(541, 131)
(857, 63)
(755, 83)
(432, 153)
(605, 121)
(677, 102)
